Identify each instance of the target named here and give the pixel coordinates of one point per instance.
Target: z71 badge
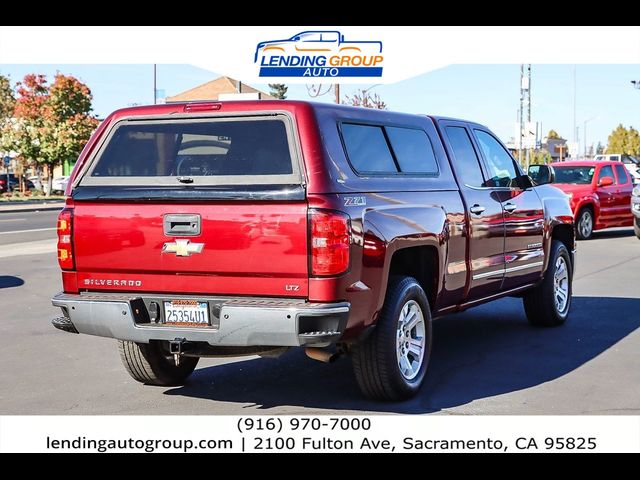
(355, 201)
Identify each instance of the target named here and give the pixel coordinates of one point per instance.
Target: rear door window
(622, 174)
(467, 163)
(196, 151)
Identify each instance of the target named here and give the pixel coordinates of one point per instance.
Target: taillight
(65, 244)
(330, 240)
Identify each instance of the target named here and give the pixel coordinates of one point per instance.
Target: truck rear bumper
(235, 321)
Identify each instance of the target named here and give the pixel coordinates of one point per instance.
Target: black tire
(376, 358)
(540, 303)
(636, 227)
(584, 224)
(151, 364)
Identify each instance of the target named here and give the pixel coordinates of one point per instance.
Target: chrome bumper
(235, 321)
(635, 206)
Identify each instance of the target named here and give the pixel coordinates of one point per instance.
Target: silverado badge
(182, 248)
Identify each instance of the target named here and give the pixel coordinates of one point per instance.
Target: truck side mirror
(605, 181)
(541, 174)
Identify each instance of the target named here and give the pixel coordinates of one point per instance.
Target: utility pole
(336, 89)
(584, 133)
(520, 139)
(575, 127)
(525, 100)
(528, 111)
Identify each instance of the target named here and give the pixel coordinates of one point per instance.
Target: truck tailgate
(246, 248)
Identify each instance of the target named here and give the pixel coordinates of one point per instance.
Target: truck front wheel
(547, 305)
(391, 362)
(584, 224)
(636, 227)
(151, 364)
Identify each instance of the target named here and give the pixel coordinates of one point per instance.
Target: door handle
(510, 207)
(477, 209)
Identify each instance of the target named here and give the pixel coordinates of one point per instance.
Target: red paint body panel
(610, 204)
(241, 245)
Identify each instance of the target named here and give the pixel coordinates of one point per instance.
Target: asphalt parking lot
(485, 361)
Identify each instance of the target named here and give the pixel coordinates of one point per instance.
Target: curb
(31, 208)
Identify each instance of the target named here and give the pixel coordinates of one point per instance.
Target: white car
(631, 162)
(59, 184)
(35, 179)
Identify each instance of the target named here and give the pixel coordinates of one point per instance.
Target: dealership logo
(315, 54)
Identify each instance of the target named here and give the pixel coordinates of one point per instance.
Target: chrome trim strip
(524, 267)
(496, 273)
(504, 271)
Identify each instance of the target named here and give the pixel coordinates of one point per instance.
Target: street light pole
(155, 89)
(584, 133)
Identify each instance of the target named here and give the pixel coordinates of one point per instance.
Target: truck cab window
(502, 168)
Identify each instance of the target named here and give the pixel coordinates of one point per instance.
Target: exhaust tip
(321, 354)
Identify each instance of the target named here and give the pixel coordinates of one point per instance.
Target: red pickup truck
(599, 192)
(217, 229)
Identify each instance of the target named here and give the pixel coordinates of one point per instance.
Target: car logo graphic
(319, 53)
(182, 248)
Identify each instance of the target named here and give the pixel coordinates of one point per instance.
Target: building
(220, 87)
(557, 148)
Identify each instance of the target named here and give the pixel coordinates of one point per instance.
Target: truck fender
(388, 230)
(557, 212)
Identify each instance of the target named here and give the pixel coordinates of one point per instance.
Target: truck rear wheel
(151, 364)
(548, 304)
(391, 362)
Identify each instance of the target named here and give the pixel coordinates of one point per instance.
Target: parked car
(600, 193)
(631, 163)
(635, 209)
(246, 228)
(37, 183)
(59, 184)
(14, 183)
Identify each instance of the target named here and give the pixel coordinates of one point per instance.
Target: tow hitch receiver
(176, 348)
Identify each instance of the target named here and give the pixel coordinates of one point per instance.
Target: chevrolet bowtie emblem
(182, 248)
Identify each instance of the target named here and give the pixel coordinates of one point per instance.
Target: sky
(487, 94)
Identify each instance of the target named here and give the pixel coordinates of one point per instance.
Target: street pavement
(21, 227)
(487, 360)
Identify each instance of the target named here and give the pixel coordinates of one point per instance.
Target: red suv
(246, 228)
(599, 191)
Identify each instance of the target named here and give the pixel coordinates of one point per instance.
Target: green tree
(7, 105)
(553, 135)
(52, 123)
(362, 98)
(617, 140)
(632, 147)
(540, 157)
(599, 149)
(278, 90)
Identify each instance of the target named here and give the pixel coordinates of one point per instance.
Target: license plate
(186, 313)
